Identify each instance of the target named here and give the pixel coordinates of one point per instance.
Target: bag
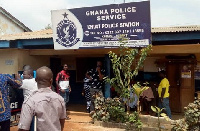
(64, 84)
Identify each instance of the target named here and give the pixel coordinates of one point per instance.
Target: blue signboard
(102, 26)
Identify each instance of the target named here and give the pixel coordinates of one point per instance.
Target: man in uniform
(46, 105)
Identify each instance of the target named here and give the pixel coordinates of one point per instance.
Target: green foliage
(116, 110)
(125, 68)
(112, 110)
(134, 122)
(159, 113)
(48, 27)
(138, 90)
(191, 119)
(101, 110)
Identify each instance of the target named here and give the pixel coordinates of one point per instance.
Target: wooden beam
(176, 49)
(72, 51)
(156, 50)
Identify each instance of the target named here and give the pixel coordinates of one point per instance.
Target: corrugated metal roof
(49, 34)
(15, 20)
(29, 35)
(175, 29)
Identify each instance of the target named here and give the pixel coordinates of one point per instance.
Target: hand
(17, 77)
(70, 89)
(82, 93)
(98, 69)
(61, 90)
(161, 99)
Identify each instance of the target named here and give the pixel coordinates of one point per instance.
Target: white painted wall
(8, 27)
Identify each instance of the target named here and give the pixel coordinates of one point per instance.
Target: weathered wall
(34, 61)
(8, 27)
(8, 61)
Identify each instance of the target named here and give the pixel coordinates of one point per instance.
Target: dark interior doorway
(55, 66)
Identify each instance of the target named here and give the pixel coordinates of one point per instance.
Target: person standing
(147, 98)
(46, 105)
(86, 91)
(62, 83)
(163, 93)
(5, 111)
(29, 84)
(96, 77)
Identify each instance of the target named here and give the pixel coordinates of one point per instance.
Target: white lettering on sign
(111, 17)
(13, 105)
(130, 24)
(97, 12)
(121, 10)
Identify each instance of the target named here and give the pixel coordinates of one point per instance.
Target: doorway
(55, 66)
(181, 78)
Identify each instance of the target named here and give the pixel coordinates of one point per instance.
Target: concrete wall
(149, 64)
(13, 60)
(8, 61)
(8, 27)
(34, 61)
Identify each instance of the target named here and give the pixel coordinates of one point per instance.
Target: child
(86, 89)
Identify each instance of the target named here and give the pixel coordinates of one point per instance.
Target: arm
(57, 83)
(22, 130)
(162, 93)
(15, 82)
(62, 123)
(101, 76)
(70, 88)
(62, 114)
(26, 117)
(87, 75)
(57, 80)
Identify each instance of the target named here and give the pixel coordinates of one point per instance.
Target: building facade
(175, 49)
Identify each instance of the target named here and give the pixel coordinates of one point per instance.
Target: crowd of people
(39, 96)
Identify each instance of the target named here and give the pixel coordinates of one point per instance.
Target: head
(65, 67)
(99, 64)
(162, 74)
(44, 77)
(26, 67)
(28, 74)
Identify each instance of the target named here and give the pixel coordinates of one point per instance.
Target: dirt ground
(80, 121)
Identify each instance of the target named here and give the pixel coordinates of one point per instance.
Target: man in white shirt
(29, 84)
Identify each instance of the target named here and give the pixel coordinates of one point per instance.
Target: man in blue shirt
(5, 111)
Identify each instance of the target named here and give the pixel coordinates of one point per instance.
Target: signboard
(186, 72)
(101, 26)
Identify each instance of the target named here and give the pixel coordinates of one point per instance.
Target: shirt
(62, 76)
(47, 106)
(28, 86)
(133, 100)
(148, 94)
(95, 82)
(5, 80)
(164, 84)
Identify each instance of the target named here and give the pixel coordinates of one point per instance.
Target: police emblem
(66, 32)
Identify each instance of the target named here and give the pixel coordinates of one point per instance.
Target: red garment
(62, 76)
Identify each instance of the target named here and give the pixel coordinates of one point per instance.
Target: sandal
(67, 118)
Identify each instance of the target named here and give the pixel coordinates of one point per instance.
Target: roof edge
(15, 20)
